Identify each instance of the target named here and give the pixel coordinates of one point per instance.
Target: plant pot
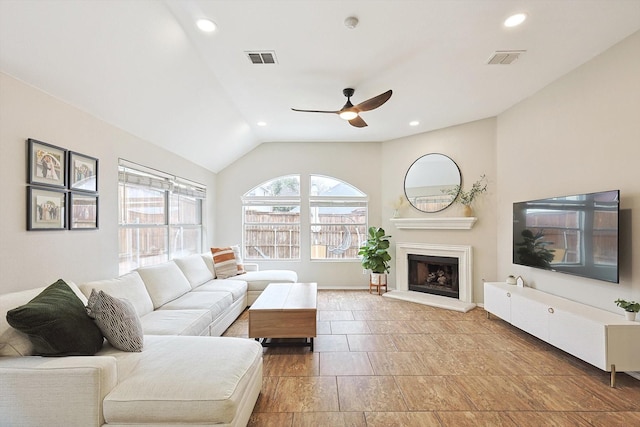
(378, 278)
(378, 281)
(630, 315)
(467, 211)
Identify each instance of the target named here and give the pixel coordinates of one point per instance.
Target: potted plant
(630, 308)
(375, 257)
(465, 198)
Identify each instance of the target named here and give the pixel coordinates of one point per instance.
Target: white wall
(377, 169)
(37, 258)
(359, 164)
(472, 147)
(579, 134)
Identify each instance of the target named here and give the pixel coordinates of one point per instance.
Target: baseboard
(634, 374)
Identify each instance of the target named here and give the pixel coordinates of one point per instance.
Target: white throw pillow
(238, 254)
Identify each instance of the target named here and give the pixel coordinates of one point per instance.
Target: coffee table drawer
(282, 324)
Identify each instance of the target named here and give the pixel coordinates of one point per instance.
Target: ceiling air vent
(504, 57)
(262, 57)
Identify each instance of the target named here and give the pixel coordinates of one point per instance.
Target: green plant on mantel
(466, 197)
(630, 306)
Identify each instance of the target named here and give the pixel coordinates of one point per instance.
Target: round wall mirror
(429, 179)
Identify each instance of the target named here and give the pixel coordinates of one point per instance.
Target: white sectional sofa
(186, 374)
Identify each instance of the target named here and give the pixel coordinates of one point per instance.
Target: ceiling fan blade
(358, 122)
(374, 102)
(315, 111)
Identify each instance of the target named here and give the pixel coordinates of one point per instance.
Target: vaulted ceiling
(144, 66)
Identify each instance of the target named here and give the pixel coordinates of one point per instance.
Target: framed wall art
(47, 164)
(83, 211)
(46, 208)
(83, 172)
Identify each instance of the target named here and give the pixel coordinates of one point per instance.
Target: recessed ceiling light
(261, 123)
(515, 20)
(206, 25)
(414, 123)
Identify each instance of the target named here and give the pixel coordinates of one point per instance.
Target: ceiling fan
(352, 112)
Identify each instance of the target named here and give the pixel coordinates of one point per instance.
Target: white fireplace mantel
(435, 223)
(463, 303)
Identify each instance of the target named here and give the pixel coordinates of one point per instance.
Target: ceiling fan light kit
(351, 112)
(348, 115)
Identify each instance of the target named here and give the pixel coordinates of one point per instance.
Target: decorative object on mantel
(434, 223)
(630, 308)
(375, 257)
(511, 279)
(520, 282)
(398, 204)
(465, 198)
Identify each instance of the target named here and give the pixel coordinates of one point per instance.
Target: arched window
(271, 219)
(272, 224)
(338, 220)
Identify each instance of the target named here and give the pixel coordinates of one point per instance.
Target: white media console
(604, 339)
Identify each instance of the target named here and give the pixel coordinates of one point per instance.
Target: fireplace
(433, 275)
(443, 255)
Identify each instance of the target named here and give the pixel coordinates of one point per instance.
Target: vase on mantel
(467, 211)
(630, 315)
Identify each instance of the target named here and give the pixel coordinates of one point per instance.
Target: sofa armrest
(70, 390)
(251, 267)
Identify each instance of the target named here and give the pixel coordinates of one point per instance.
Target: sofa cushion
(215, 302)
(174, 386)
(258, 280)
(57, 323)
(237, 288)
(176, 322)
(224, 262)
(208, 260)
(117, 319)
(164, 282)
(129, 286)
(195, 270)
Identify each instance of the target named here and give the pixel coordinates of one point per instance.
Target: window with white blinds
(160, 216)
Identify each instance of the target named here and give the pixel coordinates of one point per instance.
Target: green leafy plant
(533, 250)
(375, 256)
(467, 197)
(630, 306)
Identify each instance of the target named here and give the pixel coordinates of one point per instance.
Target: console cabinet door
(578, 335)
(530, 315)
(497, 301)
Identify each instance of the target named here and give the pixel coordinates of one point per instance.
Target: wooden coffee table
(284, 310)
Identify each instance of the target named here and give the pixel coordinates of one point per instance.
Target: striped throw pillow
(224, 262)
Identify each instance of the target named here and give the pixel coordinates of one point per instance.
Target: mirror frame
(414, 164)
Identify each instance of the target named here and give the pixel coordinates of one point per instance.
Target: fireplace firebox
(435, 275)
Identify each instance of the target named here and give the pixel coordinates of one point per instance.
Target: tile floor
(384, 362)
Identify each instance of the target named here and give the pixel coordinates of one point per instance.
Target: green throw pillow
(57, 323)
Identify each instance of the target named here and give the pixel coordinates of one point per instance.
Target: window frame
(272, 200)
(304, 202)
(146, 178)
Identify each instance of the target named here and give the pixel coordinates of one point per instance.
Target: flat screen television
(572, 234)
